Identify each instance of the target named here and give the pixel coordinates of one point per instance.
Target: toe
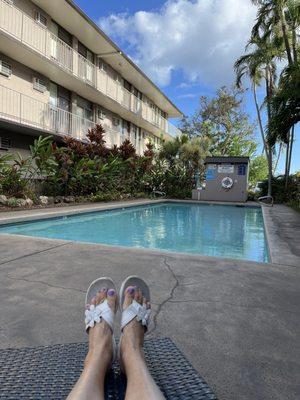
(112, 299)
(148, 305)
(101, 295)
(129, 295)
(138, 296)
(93, 301)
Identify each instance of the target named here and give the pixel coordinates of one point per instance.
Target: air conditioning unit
(5, 143)
(5, 69)
(39, 84)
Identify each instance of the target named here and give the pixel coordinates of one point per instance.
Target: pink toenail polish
(130, 290)
(111, 292)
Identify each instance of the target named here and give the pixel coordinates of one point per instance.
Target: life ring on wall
(227, 183)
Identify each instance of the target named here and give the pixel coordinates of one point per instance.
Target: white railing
(27, 111)
(16, 23)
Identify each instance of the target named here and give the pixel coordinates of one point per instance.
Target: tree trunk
(294, 44)
(286, 172)
(291, 149)
(277, 159)
(270, 166)
(259, 120)
(285, 38)
(270, 173)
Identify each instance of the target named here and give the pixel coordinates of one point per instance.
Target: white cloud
(187, 96)
(202, 38)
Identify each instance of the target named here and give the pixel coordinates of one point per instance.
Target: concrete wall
(20, 143)
(214, 190)
(21, 80)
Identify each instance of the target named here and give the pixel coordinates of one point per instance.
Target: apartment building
(61, 75)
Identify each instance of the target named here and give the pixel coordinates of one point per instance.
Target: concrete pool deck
(236, 321)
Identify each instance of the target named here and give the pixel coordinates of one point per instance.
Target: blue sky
(187, 47)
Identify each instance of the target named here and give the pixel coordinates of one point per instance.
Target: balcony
(26, 30)
(28, 112)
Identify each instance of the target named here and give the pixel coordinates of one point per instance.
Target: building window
(5, 69)
(101, 114)
(127, 85)
(102, 65)
(39, 85)
(40, 18)
(5, 143)
(65, 36)
(241, 169)
(116, 121)
(84, 108)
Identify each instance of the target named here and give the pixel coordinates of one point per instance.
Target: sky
(187, 47)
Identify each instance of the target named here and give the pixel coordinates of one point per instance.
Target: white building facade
(61, 75)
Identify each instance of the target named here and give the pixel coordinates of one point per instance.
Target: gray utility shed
(226, 179)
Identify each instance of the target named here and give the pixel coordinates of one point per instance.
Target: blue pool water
(213, 230)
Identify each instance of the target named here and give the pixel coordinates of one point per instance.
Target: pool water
(212, 230)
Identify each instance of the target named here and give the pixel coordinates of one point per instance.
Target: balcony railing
(27, 111)
(31, 33)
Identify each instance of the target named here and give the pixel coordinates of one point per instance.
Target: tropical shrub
(94, 169)
(281, 193)
(94, 172)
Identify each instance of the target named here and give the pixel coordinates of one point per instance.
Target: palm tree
(285, 107)
(272, 21)
(259, 65)
(280, 21)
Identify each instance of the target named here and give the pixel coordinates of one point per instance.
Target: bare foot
(133, 333)
(100, 336)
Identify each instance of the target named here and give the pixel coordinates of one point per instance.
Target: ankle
(131, 350)
(101, 351)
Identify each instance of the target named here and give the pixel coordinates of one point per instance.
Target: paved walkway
(236, 321)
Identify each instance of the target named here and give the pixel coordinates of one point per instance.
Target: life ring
(227, 183)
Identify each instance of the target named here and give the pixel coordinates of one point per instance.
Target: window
(40, 18)
(84, 108)
(133, 129)
(5, 143)
(5, 69)
(116, 121)
(102, 65)
(65, 36)
(101, 113)
(241, 169)
(127, 85)
(125, 127)
(39, 85)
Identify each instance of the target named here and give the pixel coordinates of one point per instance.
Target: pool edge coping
(48, 213)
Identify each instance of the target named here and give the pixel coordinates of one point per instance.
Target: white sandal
(135, 310)
(95, 314)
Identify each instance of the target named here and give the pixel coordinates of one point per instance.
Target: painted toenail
(111, 292)
(87, 306)
(130, 290)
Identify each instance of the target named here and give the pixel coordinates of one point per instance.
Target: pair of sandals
(96, 313)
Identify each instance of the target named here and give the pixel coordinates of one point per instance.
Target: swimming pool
(213, 230)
